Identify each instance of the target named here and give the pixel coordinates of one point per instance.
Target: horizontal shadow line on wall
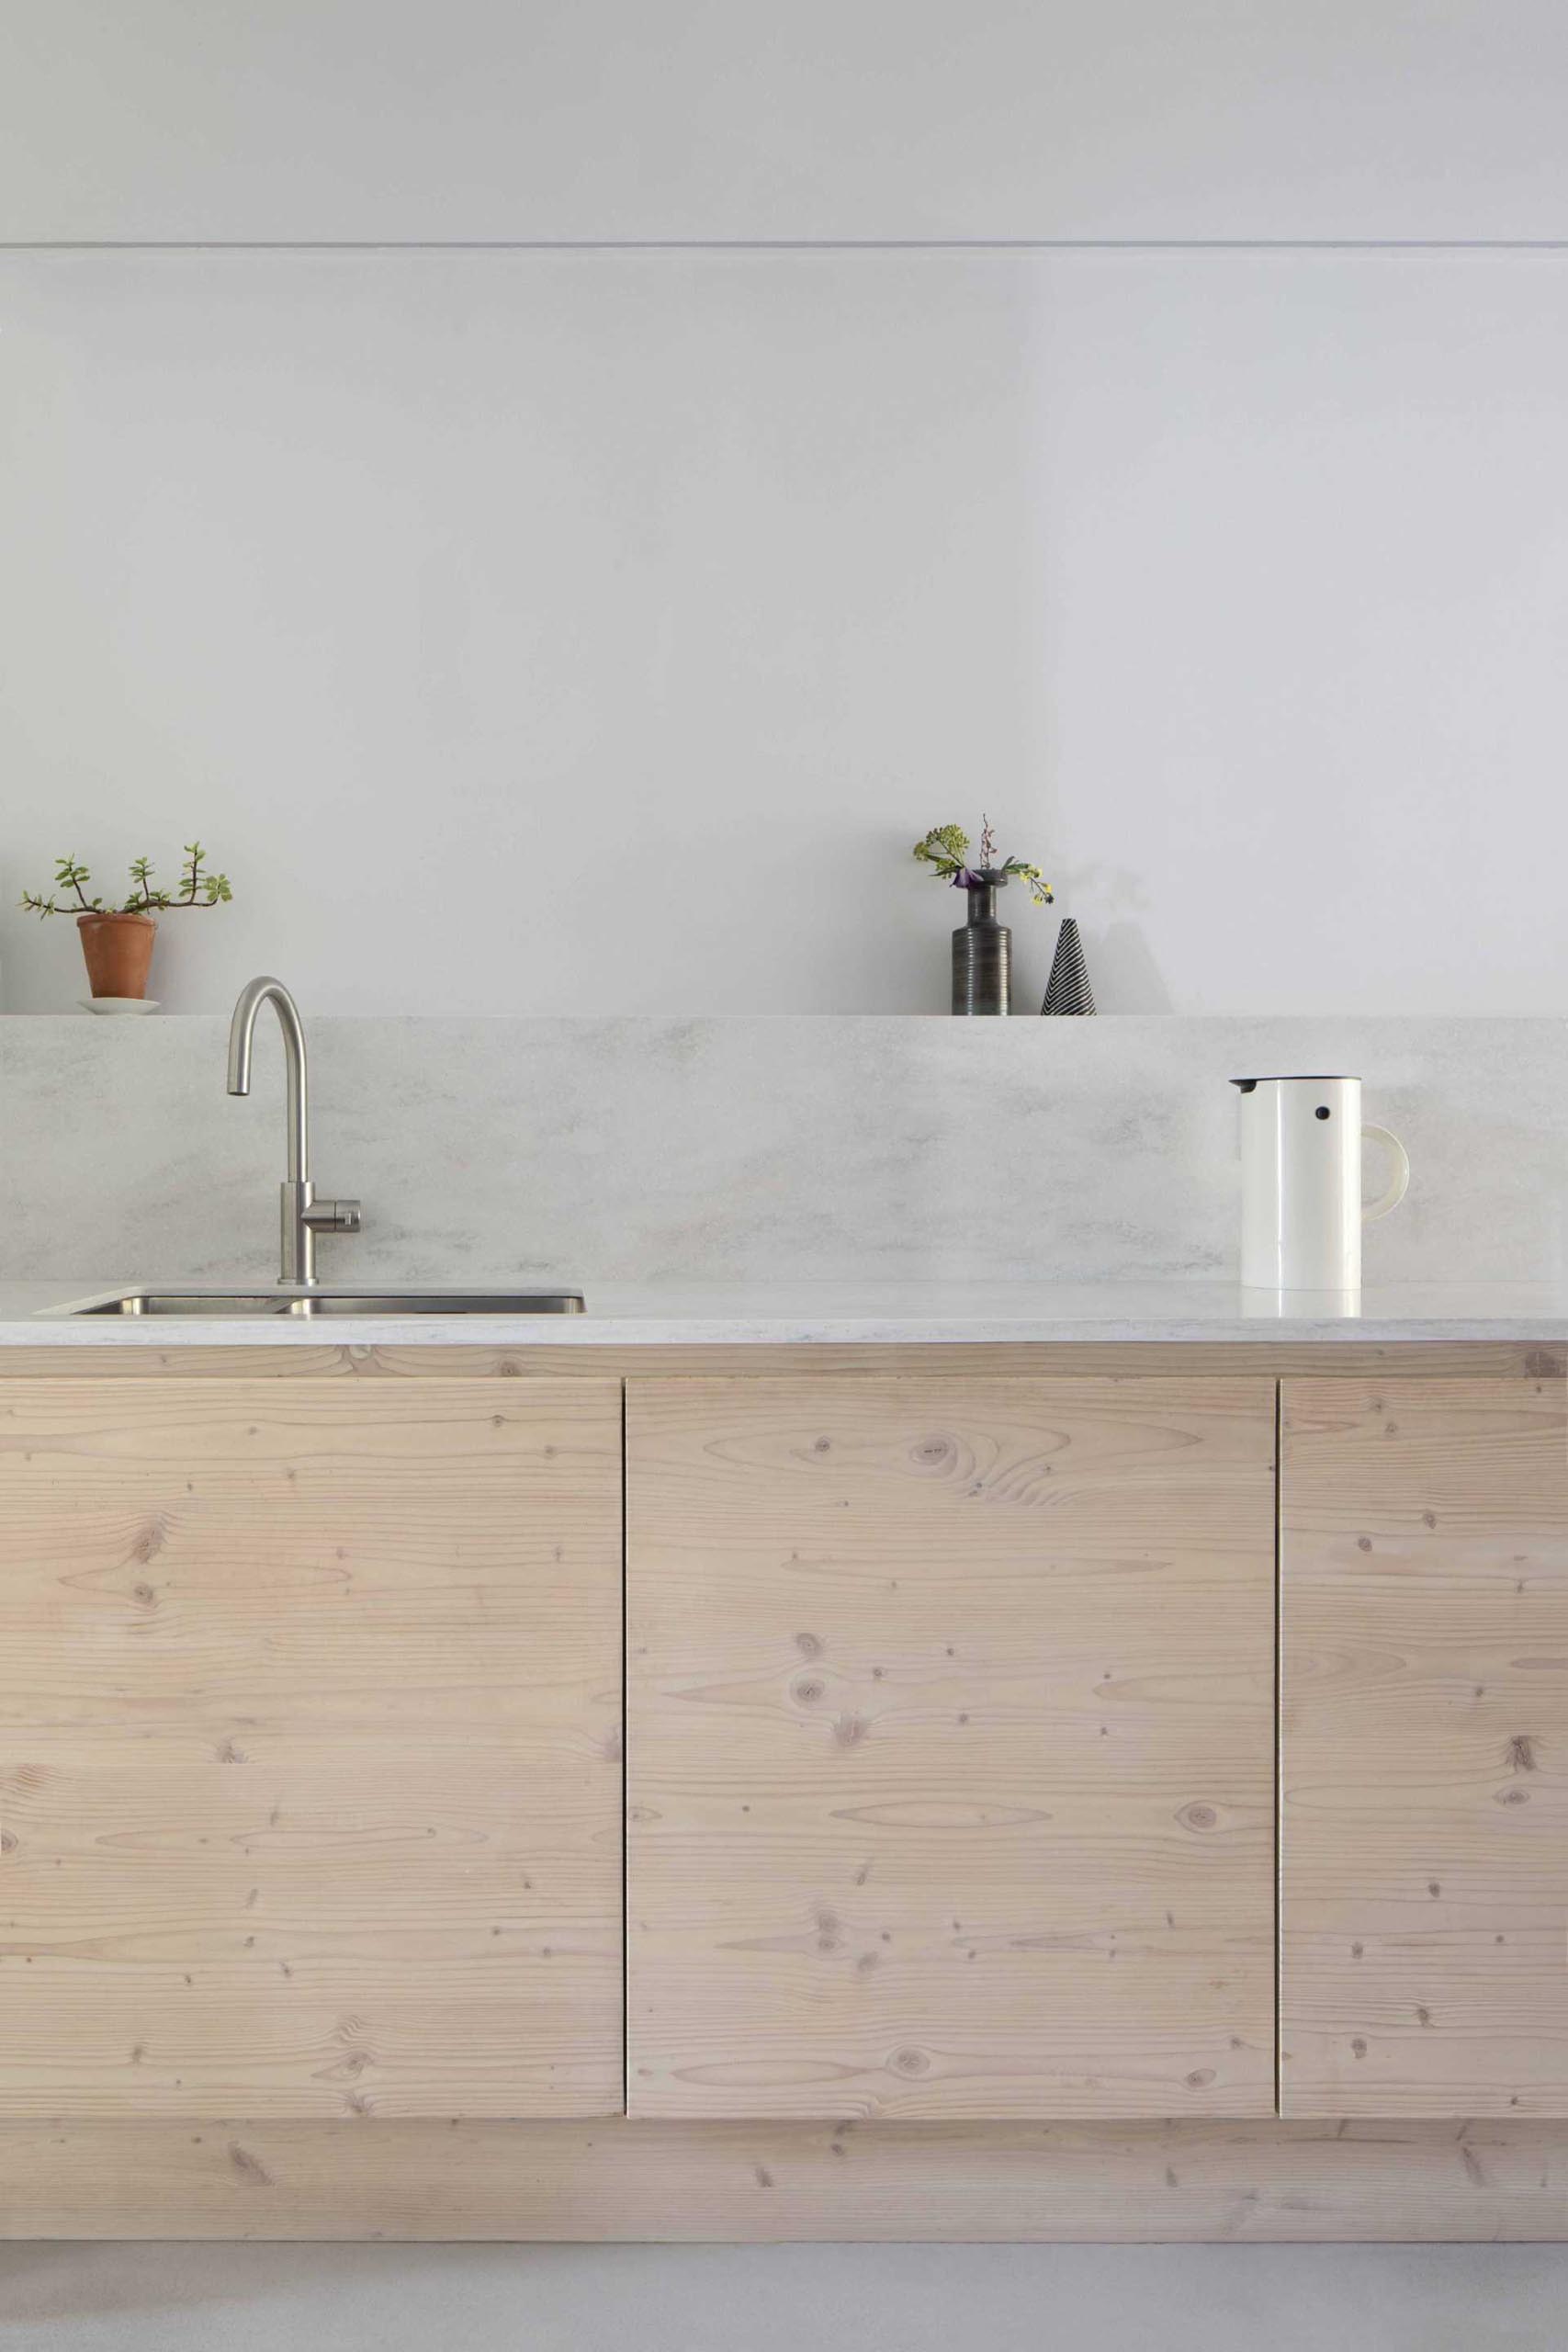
(783, 244)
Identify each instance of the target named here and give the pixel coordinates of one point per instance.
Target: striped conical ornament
(1068, 990)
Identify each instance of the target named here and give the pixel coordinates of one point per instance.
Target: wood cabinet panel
(309, 1777)
(751, 2182)
(1425, 1748)
(950, 1761)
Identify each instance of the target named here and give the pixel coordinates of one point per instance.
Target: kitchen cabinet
(1425, 1748)
(951, 1746)
(310, 1777)
(951, 1792)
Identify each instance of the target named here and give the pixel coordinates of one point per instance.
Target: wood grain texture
(1425, 1748)
(950, 1761)
(748, 2183)
(309, 1777)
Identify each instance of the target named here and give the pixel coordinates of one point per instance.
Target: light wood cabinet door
(1425, 1748)
(951, 1763)
(309, 1778)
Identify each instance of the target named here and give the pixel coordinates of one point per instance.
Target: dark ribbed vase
(982, 955)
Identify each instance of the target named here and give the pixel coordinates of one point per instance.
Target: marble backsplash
(768, 1150)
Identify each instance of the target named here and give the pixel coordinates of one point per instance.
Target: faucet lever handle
(333, 1217)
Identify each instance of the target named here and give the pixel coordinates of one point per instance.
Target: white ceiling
(130, 121)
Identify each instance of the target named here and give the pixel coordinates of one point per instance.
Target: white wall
(541, 632)
(590, 629)
(306, 119)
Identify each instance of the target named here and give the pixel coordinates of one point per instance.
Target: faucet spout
(302, 1217)
(241, 1031)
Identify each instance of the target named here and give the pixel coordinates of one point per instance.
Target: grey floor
(729, 2299)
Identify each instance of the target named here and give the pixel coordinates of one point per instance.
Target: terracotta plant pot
(119, 949)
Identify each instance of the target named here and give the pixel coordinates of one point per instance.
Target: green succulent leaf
(197, 889)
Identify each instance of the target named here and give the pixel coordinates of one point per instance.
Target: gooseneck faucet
(303, 1216)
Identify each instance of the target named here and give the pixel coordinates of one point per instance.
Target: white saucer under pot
(118, 1004)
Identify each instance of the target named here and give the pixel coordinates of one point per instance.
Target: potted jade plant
(982, 947)
(117, 941)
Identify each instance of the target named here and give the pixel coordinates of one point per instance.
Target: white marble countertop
(843, 1314)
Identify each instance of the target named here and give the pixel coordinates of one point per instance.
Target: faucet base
(301, 1217)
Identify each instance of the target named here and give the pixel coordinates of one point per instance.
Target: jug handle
(1400, 1183)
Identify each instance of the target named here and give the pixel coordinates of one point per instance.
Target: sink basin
(311, 1304)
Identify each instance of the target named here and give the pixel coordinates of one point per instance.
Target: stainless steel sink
(311, 1304)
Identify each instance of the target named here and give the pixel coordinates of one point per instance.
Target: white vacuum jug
(1301, 1182)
